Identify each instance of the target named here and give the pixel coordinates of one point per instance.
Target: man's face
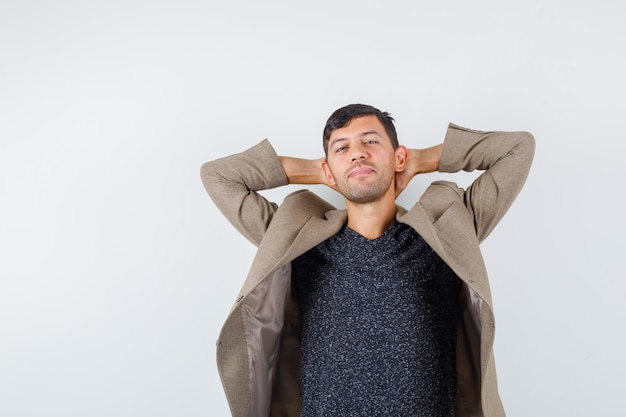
(361, 161)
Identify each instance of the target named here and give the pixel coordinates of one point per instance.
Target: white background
(117, 270)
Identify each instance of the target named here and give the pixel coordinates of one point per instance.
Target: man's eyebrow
(370, 132)
(336, 140)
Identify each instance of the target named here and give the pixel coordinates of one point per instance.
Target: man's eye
(370, 142)
(340, 149)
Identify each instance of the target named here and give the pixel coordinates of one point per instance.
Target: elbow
(526, 142)
(205, 170)
(529, 139)
(209, 175)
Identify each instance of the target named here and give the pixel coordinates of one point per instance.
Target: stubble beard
(364, 192)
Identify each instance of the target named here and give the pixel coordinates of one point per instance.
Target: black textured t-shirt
(378, 327)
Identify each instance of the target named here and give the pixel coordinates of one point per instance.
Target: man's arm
(233, 182)
(505, 158)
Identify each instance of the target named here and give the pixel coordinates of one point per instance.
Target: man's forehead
(360, 126)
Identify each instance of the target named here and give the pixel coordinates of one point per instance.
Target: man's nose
(358, 153)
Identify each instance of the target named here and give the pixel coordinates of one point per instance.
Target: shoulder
(304, 202)
(442, 202)
(439, 196)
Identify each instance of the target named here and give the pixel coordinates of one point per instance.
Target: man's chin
(363, 197)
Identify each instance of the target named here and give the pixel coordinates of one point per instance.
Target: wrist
(427, 159)
(302, 171)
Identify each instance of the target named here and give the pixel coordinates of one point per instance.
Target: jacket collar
(304, 220)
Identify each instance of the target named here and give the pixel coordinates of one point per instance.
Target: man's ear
(330, 179)
(402, 156)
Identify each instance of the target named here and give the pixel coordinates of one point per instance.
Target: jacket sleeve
(505, 157)
(232, 183)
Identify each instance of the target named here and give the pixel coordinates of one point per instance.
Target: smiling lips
(360, 170)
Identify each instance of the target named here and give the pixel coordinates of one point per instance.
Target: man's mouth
(359, 171)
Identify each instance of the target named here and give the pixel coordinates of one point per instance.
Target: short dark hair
(343, 116)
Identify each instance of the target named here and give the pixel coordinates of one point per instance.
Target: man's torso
(378, 326)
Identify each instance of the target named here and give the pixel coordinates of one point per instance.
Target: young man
(373, 310)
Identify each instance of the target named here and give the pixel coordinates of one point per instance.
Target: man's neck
(372, 219)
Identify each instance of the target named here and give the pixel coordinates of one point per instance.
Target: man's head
(361, 158)
(343, 116)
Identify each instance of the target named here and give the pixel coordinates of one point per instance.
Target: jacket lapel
(303, 221)
(419, 220)
(456, 249)
(315, 231)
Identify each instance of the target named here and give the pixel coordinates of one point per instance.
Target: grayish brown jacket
(258, 347)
